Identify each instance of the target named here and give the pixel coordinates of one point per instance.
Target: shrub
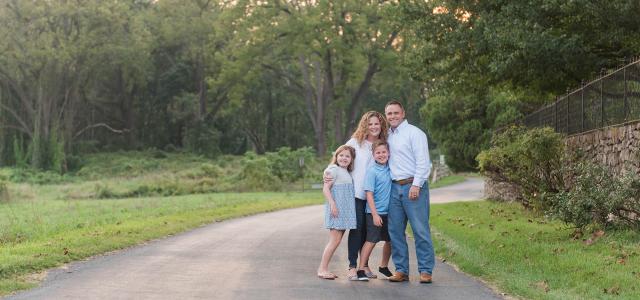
(103, 192)
(74, 162)
(530, 159)
(285, 163)
(599, 198)
(256, 174)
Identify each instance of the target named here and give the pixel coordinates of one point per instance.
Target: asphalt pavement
(268, 256)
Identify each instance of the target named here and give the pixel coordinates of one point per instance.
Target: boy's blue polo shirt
(378, 181)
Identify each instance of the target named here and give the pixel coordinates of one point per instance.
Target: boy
(377, 186)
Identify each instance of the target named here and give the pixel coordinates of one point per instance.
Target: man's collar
(403, 124)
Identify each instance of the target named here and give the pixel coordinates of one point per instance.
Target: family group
(374, 185)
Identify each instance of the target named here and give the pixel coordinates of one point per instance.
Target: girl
(339, 209)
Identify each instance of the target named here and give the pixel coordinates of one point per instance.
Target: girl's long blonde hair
(334, 159)
(361, 132)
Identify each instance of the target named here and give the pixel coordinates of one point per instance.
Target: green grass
(445, 181)
(121, 199)
(40, 234)
(532, 257)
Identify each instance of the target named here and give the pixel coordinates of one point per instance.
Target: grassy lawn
(37, 235)
(449, 180)
(534, 258)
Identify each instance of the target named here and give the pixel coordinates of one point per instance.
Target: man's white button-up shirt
(409, 155)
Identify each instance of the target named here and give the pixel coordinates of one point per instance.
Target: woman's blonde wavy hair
(361, 132)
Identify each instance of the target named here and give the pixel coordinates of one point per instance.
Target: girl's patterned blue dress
(344, 196)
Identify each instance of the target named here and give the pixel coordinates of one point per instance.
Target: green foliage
(57, 158)
(285, 163)
(32, 176)
(202, 139)
(20, 156)
(541, 45)
(257, 174)
(4, 191)
(461, 123)
(599, 198)
(530, 159)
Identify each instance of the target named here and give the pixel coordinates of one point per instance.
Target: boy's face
(381, 154)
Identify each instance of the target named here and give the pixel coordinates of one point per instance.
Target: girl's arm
(326, 190)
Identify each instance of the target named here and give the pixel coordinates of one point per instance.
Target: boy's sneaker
(362, 276)
(385, 271)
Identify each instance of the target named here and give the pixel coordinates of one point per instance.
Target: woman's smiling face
(373, 127)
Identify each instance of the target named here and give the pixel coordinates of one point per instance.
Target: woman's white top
(364, 159)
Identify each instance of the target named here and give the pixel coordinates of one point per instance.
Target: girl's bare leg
(335, 236)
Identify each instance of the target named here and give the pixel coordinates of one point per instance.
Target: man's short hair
(394, 102)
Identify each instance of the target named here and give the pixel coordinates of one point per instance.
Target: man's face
(394, 114)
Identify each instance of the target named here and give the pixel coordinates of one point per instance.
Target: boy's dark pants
(357, 236)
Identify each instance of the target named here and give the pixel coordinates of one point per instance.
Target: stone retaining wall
(616, 147)
(613, 147)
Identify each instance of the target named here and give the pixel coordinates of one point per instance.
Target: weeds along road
(267, 256)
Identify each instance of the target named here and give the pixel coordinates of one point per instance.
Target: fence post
(602, 100)
(555, 114)
(582, 106)
(568, 108)
(626, 101)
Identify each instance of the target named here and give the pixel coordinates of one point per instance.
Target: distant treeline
(214, 77)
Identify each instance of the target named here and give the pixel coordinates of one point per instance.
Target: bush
(599, 198)
(256, 174)
(530, 159)
(103, 192)
(285, 163)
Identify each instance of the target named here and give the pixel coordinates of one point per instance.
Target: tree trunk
(202, 88)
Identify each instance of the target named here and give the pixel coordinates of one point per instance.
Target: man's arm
(420, 147)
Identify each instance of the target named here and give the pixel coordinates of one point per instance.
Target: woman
(372, 127)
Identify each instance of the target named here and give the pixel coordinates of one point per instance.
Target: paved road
(470, 190)
(267, 256)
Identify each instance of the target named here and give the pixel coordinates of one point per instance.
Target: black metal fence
(609, 100)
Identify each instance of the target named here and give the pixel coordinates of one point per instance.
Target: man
(410, 167)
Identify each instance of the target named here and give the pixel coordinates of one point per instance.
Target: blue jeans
(401, 210)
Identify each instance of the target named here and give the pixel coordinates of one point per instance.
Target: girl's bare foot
(327, 275)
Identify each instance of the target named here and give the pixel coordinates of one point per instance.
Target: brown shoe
(425, 278)
(399, 277)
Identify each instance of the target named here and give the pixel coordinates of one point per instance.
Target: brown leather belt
(403, 181)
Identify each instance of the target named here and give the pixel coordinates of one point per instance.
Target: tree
(466, 50)
(326, 51)
(48, 63)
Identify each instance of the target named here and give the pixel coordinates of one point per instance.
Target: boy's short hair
(379, 143)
